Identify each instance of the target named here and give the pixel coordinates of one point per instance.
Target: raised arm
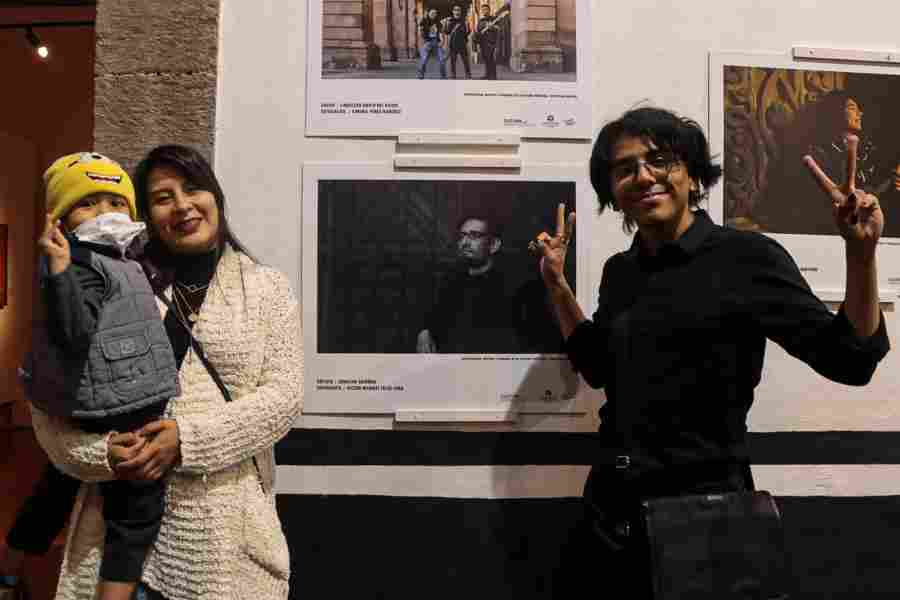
(553, 252)
(860, 221)
(786, 311)
(584, 340)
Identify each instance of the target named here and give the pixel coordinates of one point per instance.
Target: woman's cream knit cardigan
(220, 536)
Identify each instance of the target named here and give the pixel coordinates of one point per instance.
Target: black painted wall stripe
(395, 547)
(451, 448)
(826, 448)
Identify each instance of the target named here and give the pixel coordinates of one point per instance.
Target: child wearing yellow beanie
(103, 360)
(75, 176)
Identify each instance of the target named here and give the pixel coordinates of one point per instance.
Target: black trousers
(463, 53)
(132, 510)
(603, 551)
(489, 56)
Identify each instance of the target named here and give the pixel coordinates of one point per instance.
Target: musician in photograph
(821, 129)
(457, 34)
(487, 37)
(432, 44)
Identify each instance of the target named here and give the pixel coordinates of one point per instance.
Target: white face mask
(113, 229)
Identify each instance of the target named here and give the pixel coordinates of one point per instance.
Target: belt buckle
(623, 461)
(623, 529)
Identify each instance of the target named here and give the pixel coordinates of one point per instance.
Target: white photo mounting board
(377, 246)
(347, 95)
(766, 112)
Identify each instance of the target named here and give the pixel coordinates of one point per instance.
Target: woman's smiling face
(185, 218)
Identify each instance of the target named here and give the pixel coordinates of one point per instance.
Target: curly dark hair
(822, 121)
(682, 136)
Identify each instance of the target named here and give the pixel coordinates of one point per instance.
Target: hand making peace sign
(857, 214)
(552, 250)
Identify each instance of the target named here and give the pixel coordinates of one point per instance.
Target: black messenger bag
(722, 546)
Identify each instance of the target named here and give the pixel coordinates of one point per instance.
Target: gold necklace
(191, 316)
(181, 318)
(191, 288)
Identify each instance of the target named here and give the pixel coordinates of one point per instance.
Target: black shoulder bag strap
(198, 348)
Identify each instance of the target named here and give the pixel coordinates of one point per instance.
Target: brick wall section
(346, 36)
(155, 76)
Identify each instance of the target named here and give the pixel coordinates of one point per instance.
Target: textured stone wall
(155, 76)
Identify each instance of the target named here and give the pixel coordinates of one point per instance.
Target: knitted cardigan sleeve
(74, 452)
(254, 421)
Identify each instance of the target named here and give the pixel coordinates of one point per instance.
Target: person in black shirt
(678, 338)
(457, 31)
(473, 312)
(487, 37)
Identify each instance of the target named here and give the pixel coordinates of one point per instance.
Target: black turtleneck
(190, 272)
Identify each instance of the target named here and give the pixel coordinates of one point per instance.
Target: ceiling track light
(41, 49)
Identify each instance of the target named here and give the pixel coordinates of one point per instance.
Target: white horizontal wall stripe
(559, 481)
(501, 481)
(828, 480)
(575, 422)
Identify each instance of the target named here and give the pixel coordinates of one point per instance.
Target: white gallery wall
(643, 50)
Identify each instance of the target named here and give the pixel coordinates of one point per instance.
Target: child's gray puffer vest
(129, 364)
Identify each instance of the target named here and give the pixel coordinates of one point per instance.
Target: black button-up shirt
(678, 339)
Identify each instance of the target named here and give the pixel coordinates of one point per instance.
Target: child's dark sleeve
(74, 298)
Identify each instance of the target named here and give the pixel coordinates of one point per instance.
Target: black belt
(633, 476)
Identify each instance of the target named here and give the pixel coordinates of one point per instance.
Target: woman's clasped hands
(146, 454)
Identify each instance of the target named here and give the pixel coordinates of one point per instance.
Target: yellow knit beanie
(74, 176)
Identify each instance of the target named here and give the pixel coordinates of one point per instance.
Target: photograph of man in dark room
(434, 266)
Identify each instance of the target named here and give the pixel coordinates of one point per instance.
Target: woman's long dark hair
(823, 121)
(196, 170)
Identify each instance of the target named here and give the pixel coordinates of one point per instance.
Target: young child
(103, 360)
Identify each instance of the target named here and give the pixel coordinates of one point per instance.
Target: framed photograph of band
(382, 67)
(419, 290)
(767, 114)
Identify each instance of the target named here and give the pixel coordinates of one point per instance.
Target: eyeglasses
(660, 164)
(474, 236)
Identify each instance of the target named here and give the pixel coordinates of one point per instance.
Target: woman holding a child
(234, 326)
